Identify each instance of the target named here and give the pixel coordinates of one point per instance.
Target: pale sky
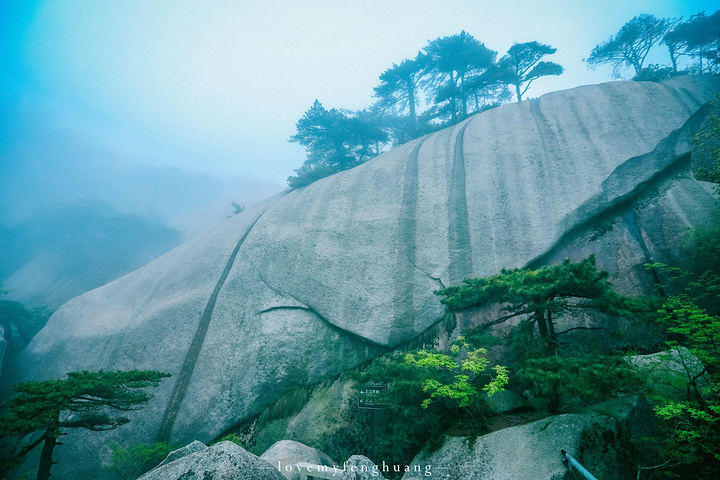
(217, 86)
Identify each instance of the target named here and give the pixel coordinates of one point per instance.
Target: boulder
(287, 453)
(669, 373)
(506, 401)
(224, 460)
(189, 449)
(531, 451)
(359, 467)
(320, 279)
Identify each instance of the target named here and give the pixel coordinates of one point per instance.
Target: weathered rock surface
(288, 453)
(189, 449)
(359, 467)
(3, 346)
(224, 460)
(317, 280)
(669, 373)
(506, 401)
(324, 416)
(532, 451)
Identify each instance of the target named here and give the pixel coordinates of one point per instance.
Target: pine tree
(543, 295)
(522, 64)
(82, 400)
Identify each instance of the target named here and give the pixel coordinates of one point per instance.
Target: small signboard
(369, 397)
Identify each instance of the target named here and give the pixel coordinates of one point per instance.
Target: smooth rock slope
(319, 279)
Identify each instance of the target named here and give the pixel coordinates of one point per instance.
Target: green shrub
(591, 378)
(131, 462)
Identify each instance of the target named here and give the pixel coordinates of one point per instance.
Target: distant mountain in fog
(187, 201)
(68, 227)
(71, 249)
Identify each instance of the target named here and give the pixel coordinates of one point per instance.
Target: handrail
(574, 463)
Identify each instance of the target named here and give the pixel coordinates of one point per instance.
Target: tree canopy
(522, 64)
(334, 141)
(398, 89)
(449, 79)
(631, 45)
(543, 295)
(699, 38)
(82, 400)
(450, 63)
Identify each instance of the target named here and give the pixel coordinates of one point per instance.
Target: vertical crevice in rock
(459, 244)
(544, 169)
(681, 101)
(403, 304)
(186, 371)
(630, 219)
(692, 97)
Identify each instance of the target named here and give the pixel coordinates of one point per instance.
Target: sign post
(369, 399)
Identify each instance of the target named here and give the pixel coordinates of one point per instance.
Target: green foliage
(691, 317)
(545, 294)
(699, 38)
(27, 321)
(653, 73)
(408, 425)
(428, 393)
(631, 45)
(693, 437)
(237, 208)
(82, 400)
(452, 77)
(591, 378)
(450, 63)
(232, 437)
(693, 328)
(398, 92)
(464, 371)
(335, 142)
(709, 139)
(522, 65)
(131, 462)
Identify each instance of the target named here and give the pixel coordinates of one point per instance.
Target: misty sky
(217, 86)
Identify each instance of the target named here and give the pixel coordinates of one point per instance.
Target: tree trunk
(552, 337)
(517, 90)
(453, 101)
(672, 58)
(547, 332)
(46, 460)
(411, 104)
(542, 325)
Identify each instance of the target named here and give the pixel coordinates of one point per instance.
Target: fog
(159, 114)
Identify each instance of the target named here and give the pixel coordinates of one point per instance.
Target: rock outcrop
(287, 453)
(359, 467)
(189, 449)
(224, 460)
(318, 280)
(600, 438)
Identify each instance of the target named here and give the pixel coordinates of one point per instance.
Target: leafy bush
(131, 462)
(428, 393)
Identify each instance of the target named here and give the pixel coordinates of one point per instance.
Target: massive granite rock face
(319, 279)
